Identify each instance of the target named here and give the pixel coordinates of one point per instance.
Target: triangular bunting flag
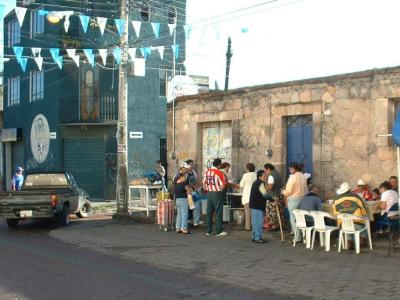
(90, 56)
(244, 30)
(76, 60)
(18, 52)
(139, 67)
(103, 55)
(175, 50)
(136, 25)
(43, 12)
(85, 22)
(23, 62)
(117, 55)
(156, 28)
(102, 24)
(39, 62)
(161, 51)
(71, 52)
(146, 51)
(171, 27)
(60, 62)
(20, 12)
(55, 53)
(67, 23)
(132, 53)
(120, 24)
(36, 52)
(188, 31)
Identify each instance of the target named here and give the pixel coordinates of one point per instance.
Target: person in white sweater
(247, 181)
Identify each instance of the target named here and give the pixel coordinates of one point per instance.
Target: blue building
(66, 119)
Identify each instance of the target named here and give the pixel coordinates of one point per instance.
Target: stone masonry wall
(349, 111)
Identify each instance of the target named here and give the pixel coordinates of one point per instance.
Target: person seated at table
(376, 195)
(349, 203)
(363, 191)
(311, 202)
(388, 199)
(394, 183)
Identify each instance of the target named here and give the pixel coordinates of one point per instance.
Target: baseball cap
(19, 169)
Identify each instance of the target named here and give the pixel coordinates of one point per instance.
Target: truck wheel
(12, 223)
(85, 211)
(62, 218)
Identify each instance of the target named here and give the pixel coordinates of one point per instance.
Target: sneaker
(201, 222)
(259, 241)
(223, 233)
(208, 234)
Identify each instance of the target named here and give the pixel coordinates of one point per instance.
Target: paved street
(100, 258)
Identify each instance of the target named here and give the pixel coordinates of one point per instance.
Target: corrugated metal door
(299, 141)
(85, 159)
(17, 155)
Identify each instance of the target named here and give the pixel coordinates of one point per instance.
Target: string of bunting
(116, 52)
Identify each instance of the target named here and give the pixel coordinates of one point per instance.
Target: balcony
(88, 110)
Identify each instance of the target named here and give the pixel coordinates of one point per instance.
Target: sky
(289, 39)
(8, 5)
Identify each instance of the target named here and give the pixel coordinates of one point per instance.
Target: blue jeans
(182, 208)
(293, 203)
(257, 219)
(197, 212)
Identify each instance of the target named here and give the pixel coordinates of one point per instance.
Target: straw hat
(361, 182)
(344, 188)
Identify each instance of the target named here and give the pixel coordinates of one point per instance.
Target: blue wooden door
(299, 141)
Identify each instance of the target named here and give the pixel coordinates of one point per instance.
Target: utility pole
(122, 137)
(228, 63)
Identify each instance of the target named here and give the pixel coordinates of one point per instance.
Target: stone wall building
(331, 124)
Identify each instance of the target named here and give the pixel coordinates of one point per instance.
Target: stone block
(338, 142)
(305, 96)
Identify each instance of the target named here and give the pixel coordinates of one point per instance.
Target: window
(36, 85)
(13, 91)
(171, 15)
(163, 75)
(145, 13)
(14, 33)
(37, 23)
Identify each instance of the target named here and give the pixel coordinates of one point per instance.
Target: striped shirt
(214, 180)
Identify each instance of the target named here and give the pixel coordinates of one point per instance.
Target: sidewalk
(276, 266)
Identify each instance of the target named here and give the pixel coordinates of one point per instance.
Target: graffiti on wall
(217, 142)
(40, 138)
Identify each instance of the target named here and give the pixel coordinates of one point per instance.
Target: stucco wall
(349, 111)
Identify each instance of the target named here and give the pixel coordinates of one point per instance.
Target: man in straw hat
(363, 191)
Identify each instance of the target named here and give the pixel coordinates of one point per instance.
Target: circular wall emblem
(40, 138)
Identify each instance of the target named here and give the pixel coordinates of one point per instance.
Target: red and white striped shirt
(214, 180)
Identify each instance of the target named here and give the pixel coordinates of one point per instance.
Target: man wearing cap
(350, 203)
(18, 179)
(363, 191)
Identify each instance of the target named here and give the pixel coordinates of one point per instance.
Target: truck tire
(12, 223)
(62, 219)
(86, 210)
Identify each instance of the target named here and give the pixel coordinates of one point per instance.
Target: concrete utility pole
(122, 137)
(228, 63)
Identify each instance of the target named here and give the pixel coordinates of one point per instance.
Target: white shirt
(390, 197)
(271, 179)
(247, 181)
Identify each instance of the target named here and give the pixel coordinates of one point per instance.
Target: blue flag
(85, 22)
(90, 56)
(60, 62)
(156, 28)
(18, 52)
(23, 61)
(55, 53)
(396, 130)
(145, 51)
(120, 23)
(175, 50)
(117, 55)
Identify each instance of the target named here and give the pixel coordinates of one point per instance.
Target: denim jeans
(182, 208)
(197, 212)
(293, 203)
(257, 220)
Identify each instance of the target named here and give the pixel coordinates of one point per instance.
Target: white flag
(171, 27)
(139, 67)
(136, 25)
(36, 52)
(67, 22)
(161, 51)
(103, 55)
(39, 62)
(20, 12)
(102, 24)
(71, 52)
(76, 60)
(132, 53)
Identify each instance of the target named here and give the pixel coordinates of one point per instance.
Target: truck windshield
(34, 181)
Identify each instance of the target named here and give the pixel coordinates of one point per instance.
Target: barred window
(36, 85)
(37, 23)
(14, 33)
(13, 91)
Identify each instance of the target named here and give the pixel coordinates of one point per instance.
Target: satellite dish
(181, 86)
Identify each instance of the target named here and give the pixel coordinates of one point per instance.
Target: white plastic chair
(301, 225)
(348, 227)
(323, 229)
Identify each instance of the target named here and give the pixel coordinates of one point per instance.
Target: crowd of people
(267, 202)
